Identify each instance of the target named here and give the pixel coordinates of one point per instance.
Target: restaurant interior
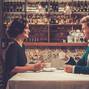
(55, 30)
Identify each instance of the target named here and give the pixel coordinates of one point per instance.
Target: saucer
(48, 69)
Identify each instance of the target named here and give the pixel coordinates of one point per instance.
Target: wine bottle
(86, 6)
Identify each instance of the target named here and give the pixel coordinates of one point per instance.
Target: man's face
(85, 30)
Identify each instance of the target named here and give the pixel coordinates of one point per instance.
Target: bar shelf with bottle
(13, 9)
(80, 6)
(52, 23)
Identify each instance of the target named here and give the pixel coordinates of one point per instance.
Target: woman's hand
(68, 68)
(38, 66)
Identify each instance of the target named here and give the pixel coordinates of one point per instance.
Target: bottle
(8, 6)
(51, 6)
(70, 36)
(46, 6)
(57, 6)
(78, 8)
(86, 6)
(20, 6)
(82, 6)
(69, 39)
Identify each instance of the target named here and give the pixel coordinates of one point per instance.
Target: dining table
(52, 79)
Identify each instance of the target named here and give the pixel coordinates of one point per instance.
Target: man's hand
(68, 68)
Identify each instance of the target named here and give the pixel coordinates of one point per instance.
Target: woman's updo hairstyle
(17, 27)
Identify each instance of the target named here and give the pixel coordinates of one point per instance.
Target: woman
(82, 65)
(15, 58)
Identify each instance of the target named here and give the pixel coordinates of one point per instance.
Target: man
(82, 65)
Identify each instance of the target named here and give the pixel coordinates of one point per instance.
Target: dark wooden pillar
(1, 22)
(1, 51)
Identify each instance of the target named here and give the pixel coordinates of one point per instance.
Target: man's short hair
(85, 19)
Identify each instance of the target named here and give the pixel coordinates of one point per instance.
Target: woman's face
(25, 33)
(85, 29)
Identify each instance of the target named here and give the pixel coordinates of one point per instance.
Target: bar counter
(55, 44)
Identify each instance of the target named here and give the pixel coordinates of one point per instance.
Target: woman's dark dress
(15, 56)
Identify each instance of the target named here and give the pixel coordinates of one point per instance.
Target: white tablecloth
(48, 80)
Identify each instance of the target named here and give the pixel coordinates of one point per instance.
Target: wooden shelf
(66, 24)
(82, 13)
(54, 44)
(19, 12)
